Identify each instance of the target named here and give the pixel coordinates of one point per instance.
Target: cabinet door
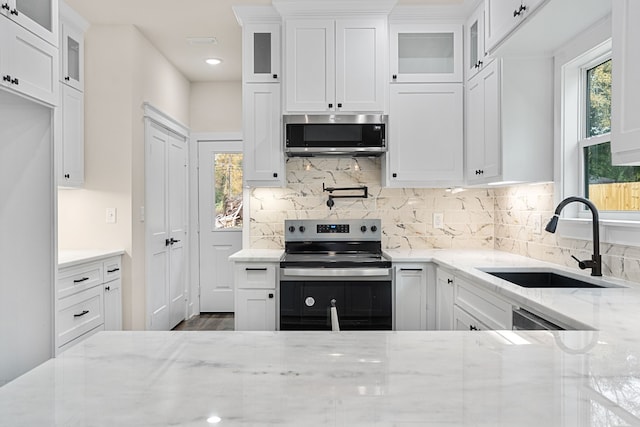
(411, 298)
(503, 16)
(72, 134)
(72, 57)
(484, 125)
(39, 17)
(444, 301)
(261, 53)
(113, 305)
(262, 122)
(625, 101)
(310, 65)
(425, 134)
(426, 53)
(475, 54)
(255, 310)
(29, 65)
(360, 65)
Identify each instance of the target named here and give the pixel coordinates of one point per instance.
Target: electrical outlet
(536, 220)
(111, 215)
(438, 220)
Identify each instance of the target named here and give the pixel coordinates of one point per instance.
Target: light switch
(111, 215)
(438, 220)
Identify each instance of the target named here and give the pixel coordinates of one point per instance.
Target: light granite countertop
(437, 378)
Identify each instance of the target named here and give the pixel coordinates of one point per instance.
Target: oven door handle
(336, 272)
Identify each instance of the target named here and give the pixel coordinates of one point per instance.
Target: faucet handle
(581, 264)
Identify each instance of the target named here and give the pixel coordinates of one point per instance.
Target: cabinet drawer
(256, 276)
(483, 305)
(79, 314)
(76, 279)
(111, 268)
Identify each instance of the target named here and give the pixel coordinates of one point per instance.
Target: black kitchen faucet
(595, 263)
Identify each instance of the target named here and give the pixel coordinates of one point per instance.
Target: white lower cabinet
(463, 321)
(490, 311)
(255, 302)
(444, 300)
(410, 297)
(88, 300)
(112, 295)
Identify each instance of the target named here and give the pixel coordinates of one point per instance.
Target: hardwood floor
(207, 322)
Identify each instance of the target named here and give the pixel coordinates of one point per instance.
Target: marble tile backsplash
(406, 213)
(514, 212)
(495, 218)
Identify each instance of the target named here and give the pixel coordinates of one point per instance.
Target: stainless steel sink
(548, 279)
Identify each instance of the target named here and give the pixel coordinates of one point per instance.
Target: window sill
(615, 232)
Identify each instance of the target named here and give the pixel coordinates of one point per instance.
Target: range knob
(292, 228)
(363, 228)
(374, 228)
(301, 228)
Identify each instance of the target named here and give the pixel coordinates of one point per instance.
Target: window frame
(571, 64)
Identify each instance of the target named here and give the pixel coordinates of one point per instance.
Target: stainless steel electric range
(339, 261)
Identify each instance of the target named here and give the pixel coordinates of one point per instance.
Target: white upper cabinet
(28, 64)
(262, 128)
(335, 65)
(72, 29)
(503, 16)
(70, 137)
(426, 52)
(39, 17)
(475, 54)
(625, 101)
(261, 53)
(507, 140)
(425, 134)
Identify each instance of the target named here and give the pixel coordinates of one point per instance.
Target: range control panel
(332, 228)
(297, 230)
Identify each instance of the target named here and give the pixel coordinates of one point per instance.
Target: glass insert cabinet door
(426, 53)
(261, 53)
(72, 57)
(38, 16)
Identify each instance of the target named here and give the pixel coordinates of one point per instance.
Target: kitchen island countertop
(373, 378)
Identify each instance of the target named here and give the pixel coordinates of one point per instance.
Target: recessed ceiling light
(213, 61)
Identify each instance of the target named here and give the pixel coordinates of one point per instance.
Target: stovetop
(333, 244)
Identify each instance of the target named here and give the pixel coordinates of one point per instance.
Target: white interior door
(177, 206)
(220, 212)
(157, 224)
(166, 225)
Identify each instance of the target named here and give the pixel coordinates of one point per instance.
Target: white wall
(216, 107)
(122, 71)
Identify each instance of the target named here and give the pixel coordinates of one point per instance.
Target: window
(228, 190)
(610, 188)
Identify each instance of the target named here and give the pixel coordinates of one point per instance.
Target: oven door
(362, 296)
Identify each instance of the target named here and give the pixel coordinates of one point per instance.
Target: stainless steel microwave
(335, 135)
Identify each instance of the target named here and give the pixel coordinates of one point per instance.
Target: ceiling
(168, 23)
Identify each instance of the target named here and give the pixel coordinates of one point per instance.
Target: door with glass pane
(221, 219)
(426, 53)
